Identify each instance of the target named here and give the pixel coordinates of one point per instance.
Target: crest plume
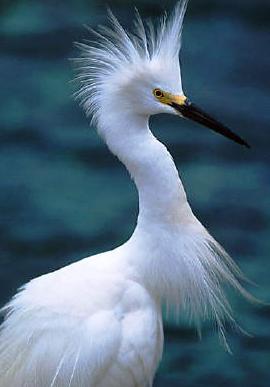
(114, 50)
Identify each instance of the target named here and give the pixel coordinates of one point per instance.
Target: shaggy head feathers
(118, 64)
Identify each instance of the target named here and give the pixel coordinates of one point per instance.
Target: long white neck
(172, 253)
(162, 198)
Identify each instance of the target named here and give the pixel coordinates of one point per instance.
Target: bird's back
(81, 326)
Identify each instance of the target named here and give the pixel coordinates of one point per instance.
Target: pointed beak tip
(245, 144)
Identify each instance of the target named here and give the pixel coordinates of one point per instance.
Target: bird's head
(138, 73)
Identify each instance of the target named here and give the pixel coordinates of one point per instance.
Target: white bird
(98, 322)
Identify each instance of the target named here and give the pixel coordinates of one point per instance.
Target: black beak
(193, 112)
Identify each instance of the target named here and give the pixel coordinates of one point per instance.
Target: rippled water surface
(63, 196)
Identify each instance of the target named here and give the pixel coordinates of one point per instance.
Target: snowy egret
(98, 322)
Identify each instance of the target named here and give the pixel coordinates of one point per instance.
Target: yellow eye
(158, 93)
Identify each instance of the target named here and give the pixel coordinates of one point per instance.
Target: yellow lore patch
(168, 98)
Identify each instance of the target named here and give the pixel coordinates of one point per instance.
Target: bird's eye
(158, 93)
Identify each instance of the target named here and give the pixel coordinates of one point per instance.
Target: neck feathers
(184, 267)
(175, 257)
(162, 198)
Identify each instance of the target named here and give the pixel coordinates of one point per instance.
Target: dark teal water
(63, 196)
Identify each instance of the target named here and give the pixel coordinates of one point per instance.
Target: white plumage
(98, 322)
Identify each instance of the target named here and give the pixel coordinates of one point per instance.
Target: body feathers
(97, 322)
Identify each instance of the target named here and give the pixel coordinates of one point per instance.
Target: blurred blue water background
(63, 196)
